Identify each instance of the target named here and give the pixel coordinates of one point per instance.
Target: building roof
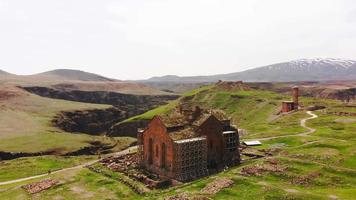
(252, 143)
(218, 114)
(173, 119)
(182, 125)
(176, 118)
(184, 133)
(229, 132)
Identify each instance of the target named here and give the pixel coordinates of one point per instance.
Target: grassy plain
(26, 124)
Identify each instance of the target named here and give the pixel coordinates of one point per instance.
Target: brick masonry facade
(215, 147)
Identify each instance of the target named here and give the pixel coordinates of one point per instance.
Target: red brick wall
(158, 133)
(295, 95)
(212, 129)
(287, 106)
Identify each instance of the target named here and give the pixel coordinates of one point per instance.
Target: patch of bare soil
(4, 95)
(333, 197)
(217, 185)
(291, 190)
(37, 187)
(306, 179)
(82, 191)
(7, 93)
(270, 165)
(230, 85)
(178, 197)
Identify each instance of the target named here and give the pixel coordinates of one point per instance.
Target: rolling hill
(69, 74)
(67, 79)
(297, 70)
(3, 72)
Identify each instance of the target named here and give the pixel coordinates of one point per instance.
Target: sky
(138, 39)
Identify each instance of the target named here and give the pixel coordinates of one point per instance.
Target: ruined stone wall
(287, 106)
(295, 94)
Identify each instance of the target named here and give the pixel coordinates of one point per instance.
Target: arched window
(150, 151)
(163, 155)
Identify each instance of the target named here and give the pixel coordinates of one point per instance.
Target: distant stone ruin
(288, 106)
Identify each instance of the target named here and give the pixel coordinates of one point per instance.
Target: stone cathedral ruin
(188, 144)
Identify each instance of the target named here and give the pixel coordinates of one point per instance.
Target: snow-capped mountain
(319, 62)
(301, 70)
(318, 69)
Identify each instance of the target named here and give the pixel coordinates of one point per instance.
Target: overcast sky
(134, 39)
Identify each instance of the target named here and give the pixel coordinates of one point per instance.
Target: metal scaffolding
(231, 140)
(190, 159)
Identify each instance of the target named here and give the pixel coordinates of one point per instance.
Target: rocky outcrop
(127, 102)
(94, 122)
(127, 128)
(95, 148)
(346, 95)
(14, 155)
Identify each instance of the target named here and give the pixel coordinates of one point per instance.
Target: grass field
(75, 184)
(253, 110)
(25, 167)
(320, 165)
(31, 166)
(26, 124)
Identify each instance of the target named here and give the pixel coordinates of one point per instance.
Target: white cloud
(126, 38)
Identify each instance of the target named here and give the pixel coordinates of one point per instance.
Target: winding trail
(123, 152)
(302, 123)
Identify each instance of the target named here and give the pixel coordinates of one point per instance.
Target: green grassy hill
(26, 123)
(253, 110)
(26, 127)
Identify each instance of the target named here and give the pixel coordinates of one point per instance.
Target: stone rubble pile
(128, 165)
(121, 163)
(270, 165)
(40, 186)
(217, 185)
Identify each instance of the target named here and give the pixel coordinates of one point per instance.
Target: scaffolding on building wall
(231, 140)
(190, 159)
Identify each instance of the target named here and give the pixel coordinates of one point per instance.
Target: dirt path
(302, 123)
(124, 152)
